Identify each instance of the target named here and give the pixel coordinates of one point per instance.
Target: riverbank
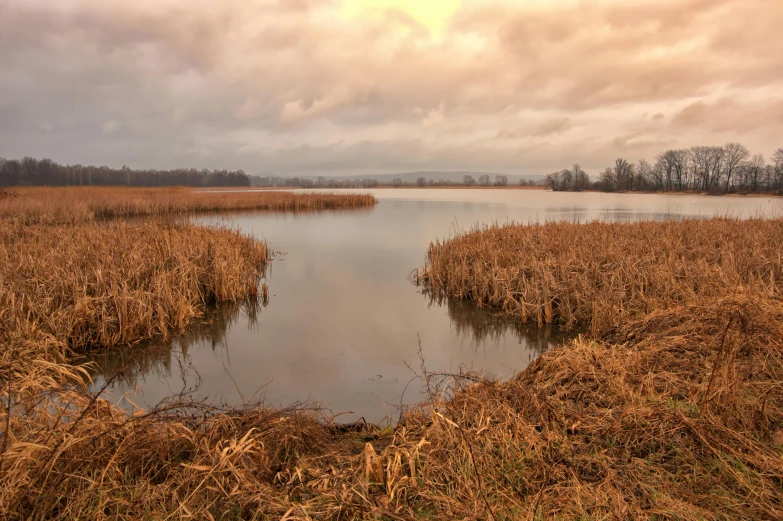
(674, 411)
(593, 275)
(70, 205)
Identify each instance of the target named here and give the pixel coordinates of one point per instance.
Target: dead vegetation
(675, 413)
(63, 205)
(593, 275)
(102, 285)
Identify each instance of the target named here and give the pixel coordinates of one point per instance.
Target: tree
(553, 181)
(468, 180)
(501, 180)
(581, 179)
(776, 183)
(484, 180)
(421, 181)
(706, 163)
(623, 174)
(607, 180)
(644, 175)
(734, 157)
(397, 182)
(753, 173)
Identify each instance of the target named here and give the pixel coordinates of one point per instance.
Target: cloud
(729, 116)
(289, 85)
(549, 127)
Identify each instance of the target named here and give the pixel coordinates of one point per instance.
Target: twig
(8, 405)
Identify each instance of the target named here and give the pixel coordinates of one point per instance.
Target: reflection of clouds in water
(344, 312)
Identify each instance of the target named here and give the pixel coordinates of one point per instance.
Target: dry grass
(84, 204)
(595, 274)
(678, 418)
(676, 414)
(103, 285)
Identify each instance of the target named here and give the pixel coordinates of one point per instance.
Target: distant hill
(411, 177)
(456, 176)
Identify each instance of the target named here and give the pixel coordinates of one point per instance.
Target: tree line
(45, 172)
(324, 182)
(730, 168)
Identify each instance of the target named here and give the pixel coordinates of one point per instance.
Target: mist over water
(344, 323)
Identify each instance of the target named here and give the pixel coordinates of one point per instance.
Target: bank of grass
(100, 285)
(674, 412)
(593, 275)
(68, 205)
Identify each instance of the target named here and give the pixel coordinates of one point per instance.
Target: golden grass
(102, 285)
(679, 417)
(64, 205)
(593, 275)
(675, 413)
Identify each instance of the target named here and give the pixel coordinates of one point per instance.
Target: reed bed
(592, 275)
(102, 285)
(71, 205)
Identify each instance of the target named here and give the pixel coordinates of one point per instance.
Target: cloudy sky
(330, 87)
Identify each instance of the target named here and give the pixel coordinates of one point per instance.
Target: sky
(338, 87)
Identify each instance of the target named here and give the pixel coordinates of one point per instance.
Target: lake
(345, 327)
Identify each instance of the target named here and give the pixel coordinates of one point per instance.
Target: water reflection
(477, 328)
(130, 365)
(345, 324)
(481, 327)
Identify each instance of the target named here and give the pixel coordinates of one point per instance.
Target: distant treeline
(45, 172)
(324, 182)
(713, 169)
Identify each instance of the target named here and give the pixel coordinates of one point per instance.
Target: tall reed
(591, 275)
(102, 285)
(63, 205)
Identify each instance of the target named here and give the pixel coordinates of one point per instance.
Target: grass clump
(62, 205)
(592, 275)
(103, 285)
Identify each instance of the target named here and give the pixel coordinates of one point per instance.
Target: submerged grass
(675, 413)
(63, 205)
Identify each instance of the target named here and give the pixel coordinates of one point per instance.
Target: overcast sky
(330, 87)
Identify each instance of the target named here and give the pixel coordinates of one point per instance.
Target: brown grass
(84, 204)
(103, 285)
(595, 274)
(678, 418)
(677, 413)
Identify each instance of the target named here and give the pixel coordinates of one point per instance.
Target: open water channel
(345, 327)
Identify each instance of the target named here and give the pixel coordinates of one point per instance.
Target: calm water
(344, 323)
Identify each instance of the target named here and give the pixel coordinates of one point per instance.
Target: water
(344, 325)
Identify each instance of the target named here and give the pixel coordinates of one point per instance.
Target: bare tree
(707, 163)
(623, 174)
(776, 183)
(734, 156)
(501, 180)
(484, 180)
(397, 182)
(468, 180)
(581, 179)
(607, 180)
(421, 181)
(644, 175)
